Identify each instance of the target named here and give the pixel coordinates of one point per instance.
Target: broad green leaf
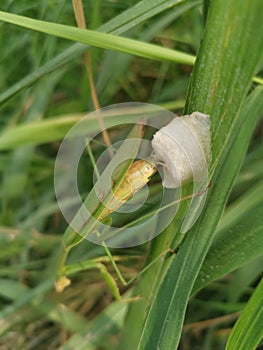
(191, 254)
(248, 331)
(217, 88)
(239, 235)
(239, 238)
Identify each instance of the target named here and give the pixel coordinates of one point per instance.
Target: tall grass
(141, 52)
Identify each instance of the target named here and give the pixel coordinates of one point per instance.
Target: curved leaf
(128, 19)
(217, 88)
(248, 330)
(238, 240)
(99, 39)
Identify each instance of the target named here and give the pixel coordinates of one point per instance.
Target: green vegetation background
(44, 90)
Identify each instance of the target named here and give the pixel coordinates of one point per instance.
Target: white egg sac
(183, 148)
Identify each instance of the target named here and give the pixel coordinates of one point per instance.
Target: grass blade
(217, 89)
(238, 243)
(248, 330)
(117, 25)
(99, 39)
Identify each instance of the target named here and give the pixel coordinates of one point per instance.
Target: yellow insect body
(136, 177)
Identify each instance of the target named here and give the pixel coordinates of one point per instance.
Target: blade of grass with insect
(97, 263)
(95, 207)
(217, 89)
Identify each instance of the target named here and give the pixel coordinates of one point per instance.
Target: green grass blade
(99, 39)
(143, 10)
(60, 314)
(40, 132)
(175, 289)
(107, 323)
(248, 331)
(27, 297)
(218, 89)
(108, 84)
(238, 242)
(239, 239)
(56, 128)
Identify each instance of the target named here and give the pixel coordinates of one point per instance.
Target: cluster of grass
(45, 90)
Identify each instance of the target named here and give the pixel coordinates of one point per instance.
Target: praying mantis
(136, 176)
